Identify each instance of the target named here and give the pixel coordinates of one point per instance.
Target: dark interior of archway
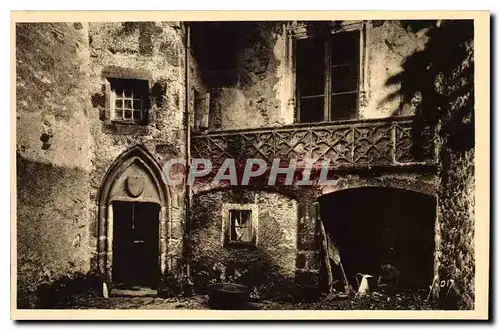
(382, 231)
(135, 244)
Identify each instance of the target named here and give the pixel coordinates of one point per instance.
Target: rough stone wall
(52, 127)
(455, 262)
(455, 254)
(269, 268)
(157, 50)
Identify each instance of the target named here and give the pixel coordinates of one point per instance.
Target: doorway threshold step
(134, 292)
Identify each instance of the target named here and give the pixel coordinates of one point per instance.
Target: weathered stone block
(307, 226)
(313, 262)
(177, 229)
(174, 247)
(306, 242)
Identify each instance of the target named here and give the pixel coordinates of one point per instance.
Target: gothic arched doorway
(132, 221)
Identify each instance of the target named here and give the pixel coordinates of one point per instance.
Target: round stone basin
(227, 296)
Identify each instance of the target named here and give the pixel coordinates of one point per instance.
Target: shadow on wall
(232, 53)
(50, 225)
(64, 292)
(439, 82)
(216, 47)
(237, 62)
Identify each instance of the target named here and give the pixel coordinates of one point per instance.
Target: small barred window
(129, 100)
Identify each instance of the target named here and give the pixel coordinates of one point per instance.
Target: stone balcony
(396, 142)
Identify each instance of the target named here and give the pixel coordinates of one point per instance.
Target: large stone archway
(418, 183)
(378, 230)
(134, 177)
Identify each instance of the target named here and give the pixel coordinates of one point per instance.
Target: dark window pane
(310, 54)
(137, 115)
(137, 104)
(128, 93)
(128, 104)
(234, 220)
(344, 79)
(311, 82)
(311, 109)
(118, 91)
(127, 114)
(232, 234)
(344, 106)
(119, 104)
(345, 47)
(310, 66)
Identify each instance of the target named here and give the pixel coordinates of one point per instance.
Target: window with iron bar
(129, 100)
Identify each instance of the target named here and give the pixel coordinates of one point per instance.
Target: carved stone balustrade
(389, 142)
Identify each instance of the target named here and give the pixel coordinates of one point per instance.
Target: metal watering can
(363, 283)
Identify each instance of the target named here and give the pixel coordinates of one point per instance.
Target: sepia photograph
(257, 163)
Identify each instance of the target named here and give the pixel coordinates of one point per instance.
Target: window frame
(299, 31)
(144, 98)
(226, 225)
(141, 110)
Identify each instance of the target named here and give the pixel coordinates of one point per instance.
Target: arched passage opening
(132, 222)
(384, 232)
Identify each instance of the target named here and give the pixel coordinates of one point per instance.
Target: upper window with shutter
(328, 70)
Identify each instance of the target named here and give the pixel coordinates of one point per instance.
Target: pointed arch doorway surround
(133, 221)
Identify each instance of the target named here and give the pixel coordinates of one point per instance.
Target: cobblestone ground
(197, 302)
(374, 301)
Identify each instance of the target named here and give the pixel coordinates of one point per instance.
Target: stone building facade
(101, 107)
